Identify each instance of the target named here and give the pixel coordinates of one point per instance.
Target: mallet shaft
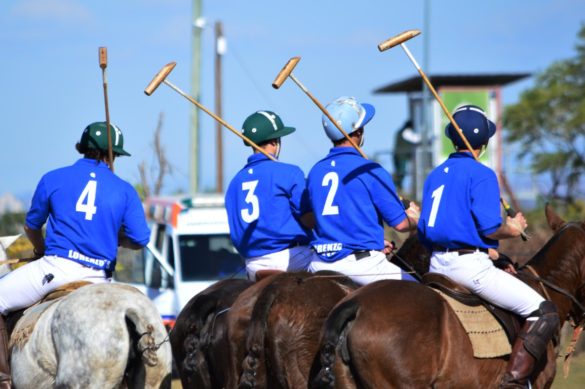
(324, 110)
(224, 123)
(103, 60)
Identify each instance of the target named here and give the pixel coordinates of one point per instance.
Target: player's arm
(134, 233)
(300, 202)
(37, 240)
(511, 229)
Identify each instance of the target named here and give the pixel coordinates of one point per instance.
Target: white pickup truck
(189, 249)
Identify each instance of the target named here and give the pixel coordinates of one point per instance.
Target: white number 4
(88, 195)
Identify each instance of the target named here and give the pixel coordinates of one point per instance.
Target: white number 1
(88, 207)
(437, 193)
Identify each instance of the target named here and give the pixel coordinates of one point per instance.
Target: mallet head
(398, 39)
(285, 72)
(103, 53)
(159, 78)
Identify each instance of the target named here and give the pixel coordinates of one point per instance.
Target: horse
(98, 336)
(286, 321)
(199, 339)
(395, 334)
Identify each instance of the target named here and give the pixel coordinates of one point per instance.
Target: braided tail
(335, 338)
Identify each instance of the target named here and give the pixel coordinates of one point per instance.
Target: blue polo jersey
(460, 205)
(350, 197)
(264, 203)
(86, 205)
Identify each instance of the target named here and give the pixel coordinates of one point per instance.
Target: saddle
(20, 324)
(508, 320)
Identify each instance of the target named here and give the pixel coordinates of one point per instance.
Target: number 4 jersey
(350, 196)
(86, 205)
(264, 202)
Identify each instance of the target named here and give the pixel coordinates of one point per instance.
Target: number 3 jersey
(86, 205)
(350, 196)
(460, 205)
(264, 203)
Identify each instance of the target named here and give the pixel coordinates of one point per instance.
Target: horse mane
(257, 327)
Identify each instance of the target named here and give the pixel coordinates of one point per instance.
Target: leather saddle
(509, 321)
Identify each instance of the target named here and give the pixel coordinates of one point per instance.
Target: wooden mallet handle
(398, 39)
(285, 72)
(159, 78)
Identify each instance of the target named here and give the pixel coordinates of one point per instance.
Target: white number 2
(88, 207)
(437, 194)
(252, 199)
(329, 208)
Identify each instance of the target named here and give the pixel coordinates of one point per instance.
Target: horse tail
(256, 334)
(143, 347)
(337, 326)
(197, 339)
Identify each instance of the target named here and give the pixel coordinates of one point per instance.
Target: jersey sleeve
(299, 197)
(485, 203)
(39, 209)
(383, 195)
(134, 221)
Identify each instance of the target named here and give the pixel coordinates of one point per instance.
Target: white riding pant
(477, 272)
(28, 284)
(291, 259)
(365, 270)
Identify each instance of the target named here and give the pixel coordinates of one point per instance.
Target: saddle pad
(25, 326)
(487, 336)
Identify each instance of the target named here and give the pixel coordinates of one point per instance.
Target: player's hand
(517, 222)
(413, 211)
(388, 247)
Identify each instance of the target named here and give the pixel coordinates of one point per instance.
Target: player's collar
(461, 154)
(343, 150)
(89, 161)
(257, 157)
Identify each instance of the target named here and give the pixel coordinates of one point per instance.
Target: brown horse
(285, 325)
(286, 322)
(199, 340)
(394, 334)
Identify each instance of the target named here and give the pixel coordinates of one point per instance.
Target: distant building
(9, 203)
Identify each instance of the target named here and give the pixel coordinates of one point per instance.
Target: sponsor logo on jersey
(328, 249)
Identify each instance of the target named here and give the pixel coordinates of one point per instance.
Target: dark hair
(351, 134)
(88, 153)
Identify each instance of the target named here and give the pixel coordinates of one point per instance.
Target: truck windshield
(209, 257)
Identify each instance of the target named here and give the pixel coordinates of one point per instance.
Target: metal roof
(415, 83)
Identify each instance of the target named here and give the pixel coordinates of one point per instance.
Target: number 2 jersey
(460, 205)
(264, 203)
(350, 196)
(86, 205)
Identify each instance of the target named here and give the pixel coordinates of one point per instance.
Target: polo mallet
(399, 40)
(103, 56)
(161, 77)
(287, 72)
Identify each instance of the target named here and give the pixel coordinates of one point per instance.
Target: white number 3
(247, 215)
(88, 207)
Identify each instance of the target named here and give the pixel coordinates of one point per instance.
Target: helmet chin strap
(482, 151)
(277, 153)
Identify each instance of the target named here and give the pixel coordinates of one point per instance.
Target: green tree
(12, 223)
(549, 122)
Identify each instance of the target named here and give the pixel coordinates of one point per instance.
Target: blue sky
(52, 85)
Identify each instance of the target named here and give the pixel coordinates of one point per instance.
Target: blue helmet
(474, 124)
(349, 114)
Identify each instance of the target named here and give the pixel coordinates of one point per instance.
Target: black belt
(361, 254)
(294, 244)
(460, 250)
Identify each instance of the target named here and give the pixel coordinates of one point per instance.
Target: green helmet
(95, 136)
(263, 126)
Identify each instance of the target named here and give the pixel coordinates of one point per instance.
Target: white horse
(98, 336)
